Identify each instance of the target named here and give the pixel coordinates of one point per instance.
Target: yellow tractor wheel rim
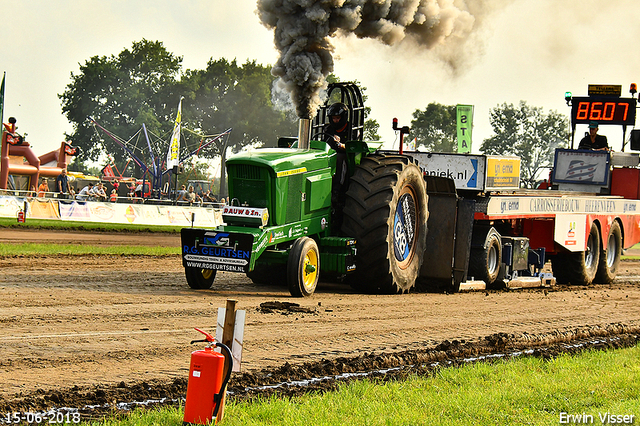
(206, 273)
(310, 269)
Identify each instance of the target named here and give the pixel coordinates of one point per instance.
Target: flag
(107, 171)
(2, 101)
(464, 115)
(581, 171)
(173, 156)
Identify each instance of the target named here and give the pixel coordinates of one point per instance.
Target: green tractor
(283, 225)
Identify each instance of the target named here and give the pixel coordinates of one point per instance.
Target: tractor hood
(285, 160)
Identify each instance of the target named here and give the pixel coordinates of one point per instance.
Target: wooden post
(227, 339)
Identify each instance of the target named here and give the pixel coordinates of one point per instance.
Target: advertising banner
(467, 171)
(464, 115)
(503, 173)
(99, 212)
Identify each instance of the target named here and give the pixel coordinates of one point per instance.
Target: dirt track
(89, 320)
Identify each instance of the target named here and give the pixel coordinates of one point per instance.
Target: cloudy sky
(523, 50)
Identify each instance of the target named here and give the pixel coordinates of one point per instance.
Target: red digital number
(583, 111)
(626, 110)
(609, 111)
(596, 112)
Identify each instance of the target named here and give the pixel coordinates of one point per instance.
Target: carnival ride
(19, 160)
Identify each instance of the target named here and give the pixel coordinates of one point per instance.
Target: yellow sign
(503, 172)
(291, 172)
(605, 89)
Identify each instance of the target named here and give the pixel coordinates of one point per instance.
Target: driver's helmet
(338, 109)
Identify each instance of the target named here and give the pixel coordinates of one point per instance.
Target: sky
(523, 50)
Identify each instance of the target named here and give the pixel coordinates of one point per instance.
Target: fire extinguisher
(206, 383)
(22, 213)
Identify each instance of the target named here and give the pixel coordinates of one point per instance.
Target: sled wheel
(303, 267)
(198, 278)
(484, 262)
(610, 256)
(386, 212)
(581, 266)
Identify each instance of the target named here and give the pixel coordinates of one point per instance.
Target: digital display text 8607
(621, 111)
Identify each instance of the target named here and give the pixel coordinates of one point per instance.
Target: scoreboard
(604, 110)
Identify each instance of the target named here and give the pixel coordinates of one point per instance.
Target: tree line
(144, 84)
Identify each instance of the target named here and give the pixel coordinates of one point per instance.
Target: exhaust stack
(304, 133)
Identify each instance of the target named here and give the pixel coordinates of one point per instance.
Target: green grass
(526, 391)
(14, 249)
(55, 224)
(27, 249)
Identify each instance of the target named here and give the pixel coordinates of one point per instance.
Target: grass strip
(64, 225)
(526, 391)
(31, 249)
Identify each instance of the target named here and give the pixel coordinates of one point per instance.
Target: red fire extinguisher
(20, 216)
(206, 383)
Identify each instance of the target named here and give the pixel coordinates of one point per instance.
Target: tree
(225, 95)
(435, 128)
(121, 93)
(144, 84)
(528, 133)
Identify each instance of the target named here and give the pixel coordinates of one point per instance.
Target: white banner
(93, 211)
(173, 156)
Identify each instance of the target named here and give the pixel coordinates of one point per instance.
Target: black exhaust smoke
(302, 29)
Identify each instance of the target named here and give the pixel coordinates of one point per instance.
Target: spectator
(181, 195)
(86, 192)
(99, 193)
(114, 195)
(209, 197)
(132, 190)
(62, 184)
(43, 188)
(191, 196)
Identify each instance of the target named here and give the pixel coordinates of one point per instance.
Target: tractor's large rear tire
(303, 267)
(610, 256)
(386, 212)
(198, 278)
(580, 267)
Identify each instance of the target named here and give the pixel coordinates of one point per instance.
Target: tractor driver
(593, 140)
(337, 134)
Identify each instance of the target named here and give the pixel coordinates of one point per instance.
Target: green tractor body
(278, 222)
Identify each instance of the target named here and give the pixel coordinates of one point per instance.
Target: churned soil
(81, 331)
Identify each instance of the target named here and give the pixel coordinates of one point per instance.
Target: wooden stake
(227, 339)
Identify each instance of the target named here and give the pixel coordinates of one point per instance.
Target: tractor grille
(246, 171)
(294, 198)
(248, 185)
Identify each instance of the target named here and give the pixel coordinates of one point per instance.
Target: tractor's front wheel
(303, 267)
(198, 278)
(386, 212)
